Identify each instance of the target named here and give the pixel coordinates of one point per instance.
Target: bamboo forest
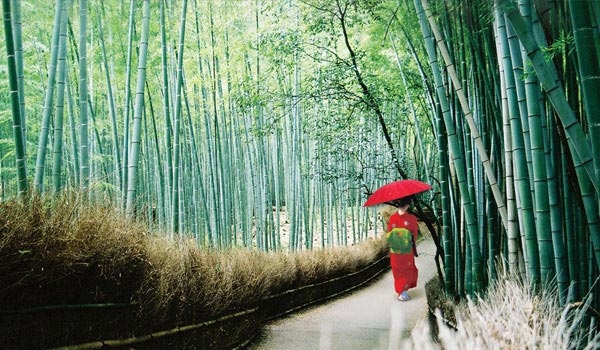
(266, 124)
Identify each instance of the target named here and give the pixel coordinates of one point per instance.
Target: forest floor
(369, 318)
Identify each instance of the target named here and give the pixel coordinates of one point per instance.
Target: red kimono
(402, 231)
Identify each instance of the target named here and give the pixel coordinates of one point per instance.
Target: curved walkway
(370, 318)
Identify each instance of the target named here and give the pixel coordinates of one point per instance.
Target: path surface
(370, 318)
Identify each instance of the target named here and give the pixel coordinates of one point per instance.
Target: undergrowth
(71, 251)
(508, 316)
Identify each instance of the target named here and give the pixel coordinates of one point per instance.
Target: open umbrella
(396, 190)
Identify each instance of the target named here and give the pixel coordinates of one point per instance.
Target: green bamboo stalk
(445, 188)
(235, 178)
(60, 102)
(186, 187)
(298, 199)
(48, 102)
(534, 262)
(167, 116)
(147, 164)
(175, 198)
(132, 174)
(458, 221)
(512, 228)
(561, 254)
(73, 133)
(570, 229)
(211, 205)
(257, 110)
(329, 198)
(544, 191)
(278, 184)
(223, 155)
(196, 179)
(83, 97)
(518, 90)
(245, 218)
(212, 136)
(473, 252)
(250, 175)
(111, 108)
(209, 146)
(126, 107)
(160, 192)
(589, 72)
(308, 203)
(22, 182)
(17, 25)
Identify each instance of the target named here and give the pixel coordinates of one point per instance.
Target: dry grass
(187, 282)
(59, 252)
(70, 251)
(510, 316)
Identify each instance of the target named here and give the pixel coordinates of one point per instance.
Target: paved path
(370, 318)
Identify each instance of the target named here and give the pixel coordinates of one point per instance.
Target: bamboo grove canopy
(208, 122)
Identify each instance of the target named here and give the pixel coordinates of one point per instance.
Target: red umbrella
(396, 190)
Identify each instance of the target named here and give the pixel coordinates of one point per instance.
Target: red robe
(403, 264)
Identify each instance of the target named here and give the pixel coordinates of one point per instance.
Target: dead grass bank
(67, 251)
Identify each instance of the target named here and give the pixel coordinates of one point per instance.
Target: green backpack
(399, 239)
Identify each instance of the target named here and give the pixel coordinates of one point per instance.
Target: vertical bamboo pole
(60, 102)
(83, 97)
(14, 101)
(132, 174)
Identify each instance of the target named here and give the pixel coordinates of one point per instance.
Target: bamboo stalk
(133, 166)
(83, 97)
(111, 109)
(60, 102)
(48, 101)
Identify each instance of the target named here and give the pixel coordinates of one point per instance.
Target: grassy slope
(65, 252)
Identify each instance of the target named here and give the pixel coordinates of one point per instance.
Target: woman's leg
(404, 271)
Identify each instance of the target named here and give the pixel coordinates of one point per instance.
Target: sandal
(403, 296)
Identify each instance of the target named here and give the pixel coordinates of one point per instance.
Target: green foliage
(269, 89)
(561, 47)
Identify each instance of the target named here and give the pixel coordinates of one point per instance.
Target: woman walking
(402, 231)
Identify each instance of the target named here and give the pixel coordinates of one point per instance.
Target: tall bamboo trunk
(60, 102)
(48, 101)
(175, 197)
(18, 43)
(83, 97)
(111, 109)
(22, 182)
(132, 174)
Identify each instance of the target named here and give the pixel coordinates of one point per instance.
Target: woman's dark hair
(403, 201)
